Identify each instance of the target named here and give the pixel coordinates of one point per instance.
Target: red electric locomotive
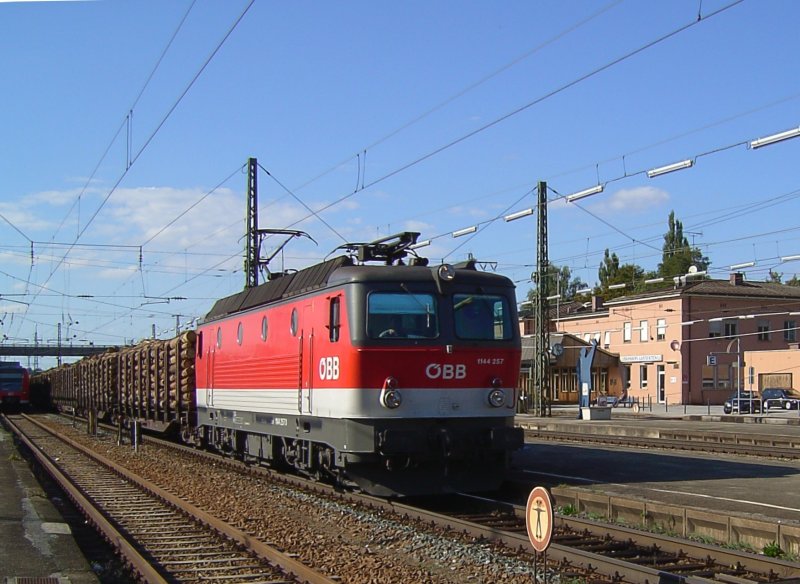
(14, 384)
(399, 378)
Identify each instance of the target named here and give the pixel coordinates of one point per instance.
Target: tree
(794, 281)
(560, 281)
(611, 273)
(677, 256)
(774, 277)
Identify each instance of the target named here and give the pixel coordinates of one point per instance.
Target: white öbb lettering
(329, 368)
(446, 371)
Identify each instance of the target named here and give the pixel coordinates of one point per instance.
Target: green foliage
(559, 281)
(774, 277)
(702, 538)
(568, 510)
(772, 550)
(677, 255)
(611, 273)
(794, 281)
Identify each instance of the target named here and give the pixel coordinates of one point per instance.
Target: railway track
(584, 550)
(742, 445)
(643, 556)
(163, 538)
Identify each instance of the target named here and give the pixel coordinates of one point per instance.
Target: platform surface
(760, 488)
(35, 542)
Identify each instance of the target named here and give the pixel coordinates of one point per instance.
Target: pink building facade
(682, 345)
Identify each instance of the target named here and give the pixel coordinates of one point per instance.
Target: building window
(731, 328)
(789, 331)
(763, 330)
(643, 376)
(724, 375)
(661, 329)
(644, 331)
(627, 373)
(607, 339)
(708, 377)
(715, 329)
(626, 332)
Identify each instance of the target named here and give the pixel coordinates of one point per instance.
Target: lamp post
(739, 370)
(727, 350)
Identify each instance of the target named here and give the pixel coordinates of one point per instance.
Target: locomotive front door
(306, 361)
(210, 378)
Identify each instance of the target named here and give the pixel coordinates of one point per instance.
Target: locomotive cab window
(405, 315)
(334, 319)
(483, 317)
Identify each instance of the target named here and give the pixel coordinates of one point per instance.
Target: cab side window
(334, 319)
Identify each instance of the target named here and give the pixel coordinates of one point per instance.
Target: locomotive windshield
(402, 316)
(482, 317)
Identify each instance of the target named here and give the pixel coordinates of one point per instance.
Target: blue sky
(406, 110)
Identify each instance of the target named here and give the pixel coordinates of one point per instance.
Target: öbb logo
(446, 371)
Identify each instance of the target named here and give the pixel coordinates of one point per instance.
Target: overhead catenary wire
(152, 135)
(472, 86)
(528, 105)
(364, 186)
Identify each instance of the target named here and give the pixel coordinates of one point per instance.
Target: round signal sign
(539, 518)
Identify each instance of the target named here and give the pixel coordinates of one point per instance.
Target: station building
(680, 345)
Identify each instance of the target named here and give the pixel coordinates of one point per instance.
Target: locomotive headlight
(497, 397)
(390, 396)
(391, 399)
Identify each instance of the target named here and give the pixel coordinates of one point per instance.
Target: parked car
(775, 397)
(741, 402)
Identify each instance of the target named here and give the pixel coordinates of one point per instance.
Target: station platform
(650, 423)
(727, 483)
(36, 544)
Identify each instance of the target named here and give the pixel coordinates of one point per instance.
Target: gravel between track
(358, 545)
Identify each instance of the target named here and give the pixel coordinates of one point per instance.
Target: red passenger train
(14, 384)
(399, 378)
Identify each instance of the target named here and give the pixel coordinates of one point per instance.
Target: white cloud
(635, 199)
(420, 226)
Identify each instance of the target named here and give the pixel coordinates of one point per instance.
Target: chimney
(737, 278)
(597, 303)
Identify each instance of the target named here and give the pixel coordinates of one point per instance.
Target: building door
(661, 377)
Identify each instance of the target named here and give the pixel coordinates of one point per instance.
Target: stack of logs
(157, 378)
(153, 380)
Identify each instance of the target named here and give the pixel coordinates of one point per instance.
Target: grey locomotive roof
(337, 271)
(285, 286)
(410, 274)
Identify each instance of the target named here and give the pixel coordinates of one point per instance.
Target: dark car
(774, 397)
(741, 402)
